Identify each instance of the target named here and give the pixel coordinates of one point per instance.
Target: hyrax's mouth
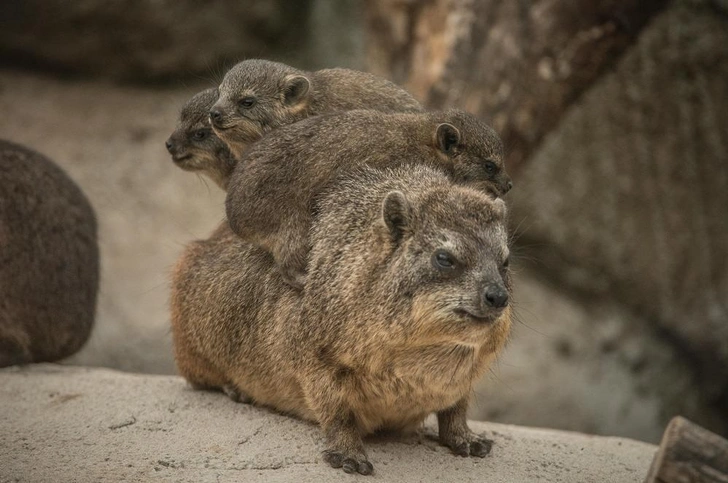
(240, 133)
(494, 190)
(181, 159)
(224, 124)
(188, 162)
(477, 317)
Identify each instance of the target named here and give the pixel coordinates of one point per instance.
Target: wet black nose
(496, 296)
(215, 116)
(170, 146)
(509, 186)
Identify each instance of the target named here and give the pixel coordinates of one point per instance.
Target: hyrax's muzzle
(220, 116)
(487, 304)
(176, 149)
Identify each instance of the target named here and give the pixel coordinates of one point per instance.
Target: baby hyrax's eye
(490, 167)
(444, 261)
(201, 134)
(247, 102)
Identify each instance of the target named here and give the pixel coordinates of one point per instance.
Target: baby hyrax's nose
(170, 146)
(215, 116)
(496, 296)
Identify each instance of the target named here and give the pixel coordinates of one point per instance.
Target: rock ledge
(64, 423)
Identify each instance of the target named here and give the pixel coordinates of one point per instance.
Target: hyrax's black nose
(215, 116)
(170, 146)
(509, 186)
(496, 296)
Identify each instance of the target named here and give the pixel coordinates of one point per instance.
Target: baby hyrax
(272, 190)
(257, 96)
(49, 260)
(193, 144)
(405, 307)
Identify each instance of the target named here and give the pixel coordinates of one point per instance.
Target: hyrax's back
(345, 89)
(49, 259)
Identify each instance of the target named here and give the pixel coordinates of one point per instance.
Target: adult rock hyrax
(257, 96)
(405, 307)
(49, 260)
(272, 191)
(194, 146)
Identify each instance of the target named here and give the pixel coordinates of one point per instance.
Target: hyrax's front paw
(349, 462)
(294, 278)
(469, 445)
(235, 394)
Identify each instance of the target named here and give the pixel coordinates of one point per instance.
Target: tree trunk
(689, 453)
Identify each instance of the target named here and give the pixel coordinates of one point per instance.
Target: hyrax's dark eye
(490, 167)
(444, 260)
(247, 102)
(201, 134)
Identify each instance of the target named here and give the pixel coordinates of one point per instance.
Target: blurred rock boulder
(148, 39)
(628, 196)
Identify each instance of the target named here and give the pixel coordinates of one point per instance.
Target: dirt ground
(568, 366)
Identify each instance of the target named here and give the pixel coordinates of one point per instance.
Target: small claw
(334, 459)
(295, 283)
(365, 468)
(481, 447)
(294, 278)
(232, 393)
(461, 449)
(350, 465)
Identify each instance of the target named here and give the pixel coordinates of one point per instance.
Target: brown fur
(49, 260)
(194, 146)
(273, 189)
(284, 95)
(380, 337)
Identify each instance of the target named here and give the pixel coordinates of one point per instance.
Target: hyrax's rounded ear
(447, 138)
(295, 89)
(396, 214)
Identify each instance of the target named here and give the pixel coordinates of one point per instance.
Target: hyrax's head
(194, 146)
(475, 149)
(257, 96)
(449, 253)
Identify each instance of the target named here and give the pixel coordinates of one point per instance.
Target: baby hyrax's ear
(396, 214)
(295, 89)
(447, 138)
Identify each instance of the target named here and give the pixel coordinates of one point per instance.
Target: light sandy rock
(98, 425)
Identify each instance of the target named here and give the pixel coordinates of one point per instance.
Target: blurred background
(615, 118)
